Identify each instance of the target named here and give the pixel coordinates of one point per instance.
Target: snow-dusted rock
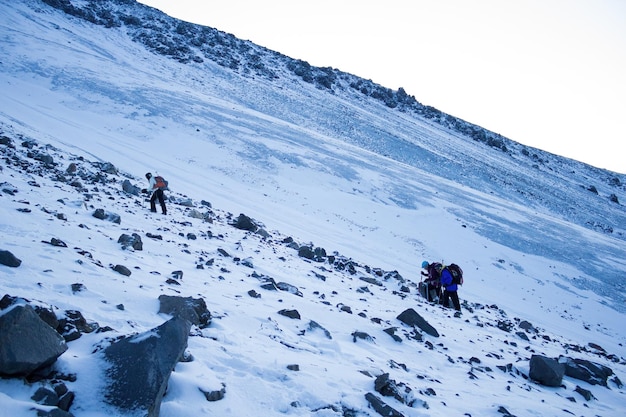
(8, 259)
(140, 367)
(192, 309)
(412, 318)
(546, 371)
(27, 342)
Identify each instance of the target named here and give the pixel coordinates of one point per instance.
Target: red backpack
(160, 182)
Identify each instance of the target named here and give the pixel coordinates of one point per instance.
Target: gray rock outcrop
(381, 407)
(129, 188)
(133, 241)
(191, 309)
(27, 342)
(121, 269)
(584, 370)
(8, 259)
(546, 371)
(105, 215)
(412, 318)
(141, 365)
(244, 222)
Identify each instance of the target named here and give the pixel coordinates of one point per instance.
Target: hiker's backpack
(161, 183)
(457, 273)
(434, 271)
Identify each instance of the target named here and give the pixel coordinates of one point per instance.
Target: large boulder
(244, 222)
(584, 370)
(546, 371)
(27, 342)
(412, 318)
(192, 309)
(141, 365)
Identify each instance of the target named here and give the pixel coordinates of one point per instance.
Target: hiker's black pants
(434, 292)
(157, 194)
(451, 295)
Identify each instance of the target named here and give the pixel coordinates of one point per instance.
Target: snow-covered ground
(285, 154)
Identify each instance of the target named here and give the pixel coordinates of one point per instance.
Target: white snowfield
(340, 171)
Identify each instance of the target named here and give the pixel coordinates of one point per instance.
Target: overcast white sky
(547, 73)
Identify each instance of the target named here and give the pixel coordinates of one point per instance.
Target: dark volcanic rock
(141, 365)
(584, 370)
(8, 259)
(292, 314)
(388, 387)
(133, 241)
(412, 318)
(28, 343)
(103, 215)
(192, 309)
(244, 222)
(546, 371)
(381, 407)
(130, 188)
(122, 270)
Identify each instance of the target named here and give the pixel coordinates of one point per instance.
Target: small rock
(214, 395)
(133, 241)
(587, 395)
(292, 314)
(78, 287)
(122, 270)
(129, 188)
(45, 396)
(58, 242)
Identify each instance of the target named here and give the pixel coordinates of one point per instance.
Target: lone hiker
(156, 185)
(433, 281)
(450, 291)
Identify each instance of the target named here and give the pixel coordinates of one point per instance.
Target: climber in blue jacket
(449, 291)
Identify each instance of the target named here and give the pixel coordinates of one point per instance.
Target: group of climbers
(441, 284)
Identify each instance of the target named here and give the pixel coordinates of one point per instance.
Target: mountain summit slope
(316, 156)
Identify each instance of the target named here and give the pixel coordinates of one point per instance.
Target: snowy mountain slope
(351, 123)
(474, 367)
(340, 170)
(191, 106)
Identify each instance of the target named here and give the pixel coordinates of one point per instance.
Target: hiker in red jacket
(156, 185)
